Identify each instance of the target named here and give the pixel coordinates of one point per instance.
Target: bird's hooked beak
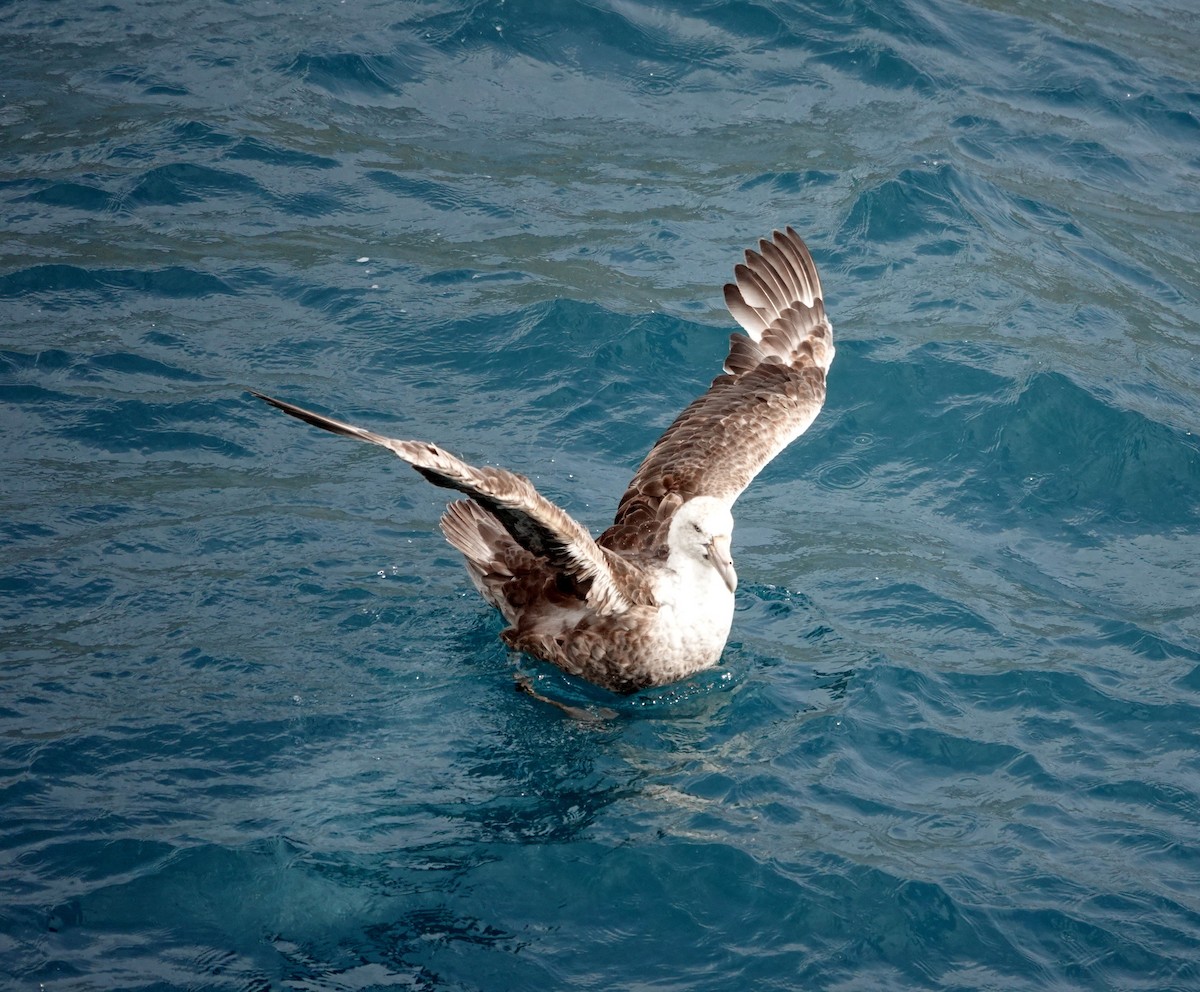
(722, 559)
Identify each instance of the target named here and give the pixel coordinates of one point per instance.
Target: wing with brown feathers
(610, 584)
(772, 391)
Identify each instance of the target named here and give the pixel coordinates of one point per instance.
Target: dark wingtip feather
(316, 419)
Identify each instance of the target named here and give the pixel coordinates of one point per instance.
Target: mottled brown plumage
(651, 600)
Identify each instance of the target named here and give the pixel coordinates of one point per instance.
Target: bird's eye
(696, 528)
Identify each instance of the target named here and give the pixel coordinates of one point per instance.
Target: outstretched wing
(772, 390)
(610, 584)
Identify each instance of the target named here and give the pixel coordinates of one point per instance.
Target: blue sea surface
(256, 728)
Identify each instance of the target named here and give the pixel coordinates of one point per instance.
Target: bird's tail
(492, 556)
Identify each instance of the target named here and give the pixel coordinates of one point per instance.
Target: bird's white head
(701, 532)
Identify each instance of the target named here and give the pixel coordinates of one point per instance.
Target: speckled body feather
(651, 600)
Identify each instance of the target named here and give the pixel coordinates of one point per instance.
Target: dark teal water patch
(257, 150)
(590, 39)
(440, 196)
(121, 364)
(1058, 457)
(143, 79)
(354, 75)
(194, 134)
(878, 67)
(80, 196)
(171, 185)
(789, 182)
(147, 428)
(63, 286)
(910, 203)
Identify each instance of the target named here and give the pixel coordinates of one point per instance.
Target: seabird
(650, 601)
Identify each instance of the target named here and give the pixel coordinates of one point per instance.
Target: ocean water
(257, 730)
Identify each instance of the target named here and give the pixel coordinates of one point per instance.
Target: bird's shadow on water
(559, 757)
